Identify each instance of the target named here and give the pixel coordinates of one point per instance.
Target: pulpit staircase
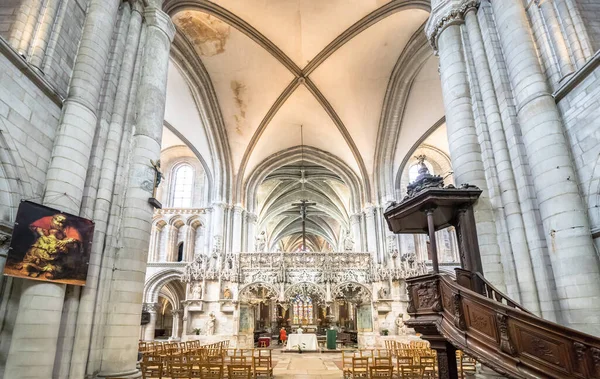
(466, 312)
(469, 314)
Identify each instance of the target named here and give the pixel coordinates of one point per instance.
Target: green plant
(197, 331)
(385, 332)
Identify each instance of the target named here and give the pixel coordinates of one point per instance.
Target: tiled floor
(307, 365)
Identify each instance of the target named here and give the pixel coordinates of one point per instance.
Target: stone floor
(307, 365)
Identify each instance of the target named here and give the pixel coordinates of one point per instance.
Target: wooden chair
(465, 365)
(235, 361)
(379, 372)
(412, 372)
(239, 371)
(360, 367)
(211, 371)
(179, 370)
(152, 368)
(261, 366)
(347, 364)
(429, 364)
(383, 361)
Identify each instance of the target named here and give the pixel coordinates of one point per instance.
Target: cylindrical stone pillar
(371, 232)
(40, 306)
(250, 231)
(236, 230)
(151, 326)
(119, 354)
(355, 231)
(506, 180)
(22, 30)
(464, 146)
(559, 44)
(567, 21)
(42, 35)
(87, 306)
(564, 216)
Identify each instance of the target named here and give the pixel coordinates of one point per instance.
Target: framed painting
(49, 245)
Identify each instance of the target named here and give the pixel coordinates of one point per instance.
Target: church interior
(299, 189)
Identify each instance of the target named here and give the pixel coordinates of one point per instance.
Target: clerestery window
(183, 185)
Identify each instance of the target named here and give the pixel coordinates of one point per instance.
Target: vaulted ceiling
(275, 65)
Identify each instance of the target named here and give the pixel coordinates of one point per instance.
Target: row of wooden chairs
(175, 348)
(414, 364)
(208, 361)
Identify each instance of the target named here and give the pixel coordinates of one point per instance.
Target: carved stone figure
(261, 242)
(383, 292)
(348, 243)
(210, 325)
(196, 291)
(227, 294)
(400, 324)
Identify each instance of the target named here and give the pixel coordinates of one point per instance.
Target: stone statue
(400, 324)
(227, 294)
(348, 243)
(197, 291)
(383, 293)
(261, 242)
(210, 325)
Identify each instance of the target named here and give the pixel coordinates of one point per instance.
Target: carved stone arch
(306, 288)
(195, 222)
(177, 221)
(154, 284)
(416, 53)
(311, 155)
(190, 66)
(352, 291)
(252, 291)
(438, 159)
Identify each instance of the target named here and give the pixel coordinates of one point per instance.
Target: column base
(133, 374)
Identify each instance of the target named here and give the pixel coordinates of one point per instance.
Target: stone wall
(590, 13)
(580, 110)
(8, 12)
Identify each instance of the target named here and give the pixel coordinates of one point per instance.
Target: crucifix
(303, 204)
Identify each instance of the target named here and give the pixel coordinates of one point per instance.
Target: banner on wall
(49, 245)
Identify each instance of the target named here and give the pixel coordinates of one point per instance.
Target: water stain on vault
(208, 34)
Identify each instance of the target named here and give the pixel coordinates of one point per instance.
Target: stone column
(24, 26)
(559, 44)
(571, 34)
(371, 232)
(236, 230)
(564, 216)
(90, 293)
(506, 181)
(177, 320)
(119, 354)
(42, 35)
(189, 243)
(218, 217)
(250, 231)
(444, 31)
(151, 308)
(35, 335)
(355, 231)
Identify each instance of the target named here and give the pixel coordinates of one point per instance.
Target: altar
(306, 341)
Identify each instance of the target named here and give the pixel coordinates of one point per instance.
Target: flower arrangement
(197, 331)
(299, 347)
(385, 332)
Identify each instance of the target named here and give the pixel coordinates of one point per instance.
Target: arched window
(183, 184)
(413, 171)
(180, 252)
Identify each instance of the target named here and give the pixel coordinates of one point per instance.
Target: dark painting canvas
(49, 245)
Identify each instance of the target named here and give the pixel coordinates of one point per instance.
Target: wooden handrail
(496, 331)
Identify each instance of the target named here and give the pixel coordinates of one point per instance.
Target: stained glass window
(303, 310)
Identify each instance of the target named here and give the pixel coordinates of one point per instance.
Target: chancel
(211, 188)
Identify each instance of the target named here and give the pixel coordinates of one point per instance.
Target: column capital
(151, 307)
(238, 209)
(252, 217)
(445, 13)
(156, 17)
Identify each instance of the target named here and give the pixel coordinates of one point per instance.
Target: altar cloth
(306, 341)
